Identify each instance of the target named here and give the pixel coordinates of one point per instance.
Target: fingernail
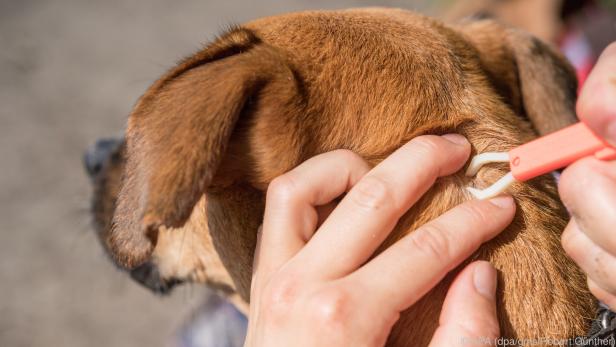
(455, 139)
(484, 279)
(502, 201)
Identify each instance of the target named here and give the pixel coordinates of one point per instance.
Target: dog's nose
(148, 275)
(98, 154)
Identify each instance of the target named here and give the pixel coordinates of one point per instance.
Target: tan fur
(188, 253)
(268, 95)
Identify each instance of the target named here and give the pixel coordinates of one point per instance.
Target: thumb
(468, 317)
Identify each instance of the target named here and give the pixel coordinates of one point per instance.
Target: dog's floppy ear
(534, 78)
(178, 133)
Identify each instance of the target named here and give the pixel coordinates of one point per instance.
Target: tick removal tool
(543, 155)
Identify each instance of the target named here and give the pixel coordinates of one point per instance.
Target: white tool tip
(485, 158)
(498, 187)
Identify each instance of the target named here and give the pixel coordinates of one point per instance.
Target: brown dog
(268, 95)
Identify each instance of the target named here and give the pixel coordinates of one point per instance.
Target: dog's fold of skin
(270, 94)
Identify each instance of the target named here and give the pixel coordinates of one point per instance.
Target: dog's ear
(178, 133)
(534, 78)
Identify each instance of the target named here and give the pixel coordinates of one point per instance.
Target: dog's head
(205, 140)
(182, 254)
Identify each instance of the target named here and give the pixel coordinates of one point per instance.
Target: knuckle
(570, 250)
(350, 160)
(353, 161)
(347, 155)
(282, 188)
(331, 307)
(432, 241)
(278, 294)
(570, 246)
(371, 193)
(566, 239)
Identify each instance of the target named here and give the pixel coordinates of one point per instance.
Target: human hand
(588, 187)
(320, 288)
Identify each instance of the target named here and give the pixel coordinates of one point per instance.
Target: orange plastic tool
(541, 156)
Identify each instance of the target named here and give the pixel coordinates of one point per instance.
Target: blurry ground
(69, 73)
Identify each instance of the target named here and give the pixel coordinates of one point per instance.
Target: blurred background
(70, 71)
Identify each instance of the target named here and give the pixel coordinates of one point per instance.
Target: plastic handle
(557, 150)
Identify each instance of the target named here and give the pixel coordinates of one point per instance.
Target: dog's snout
(148, 275)
(98, 154)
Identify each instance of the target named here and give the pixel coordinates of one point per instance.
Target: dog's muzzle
(148, 275)
(98, 154)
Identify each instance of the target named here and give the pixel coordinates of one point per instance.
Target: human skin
(307, 291)
(588, 187)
